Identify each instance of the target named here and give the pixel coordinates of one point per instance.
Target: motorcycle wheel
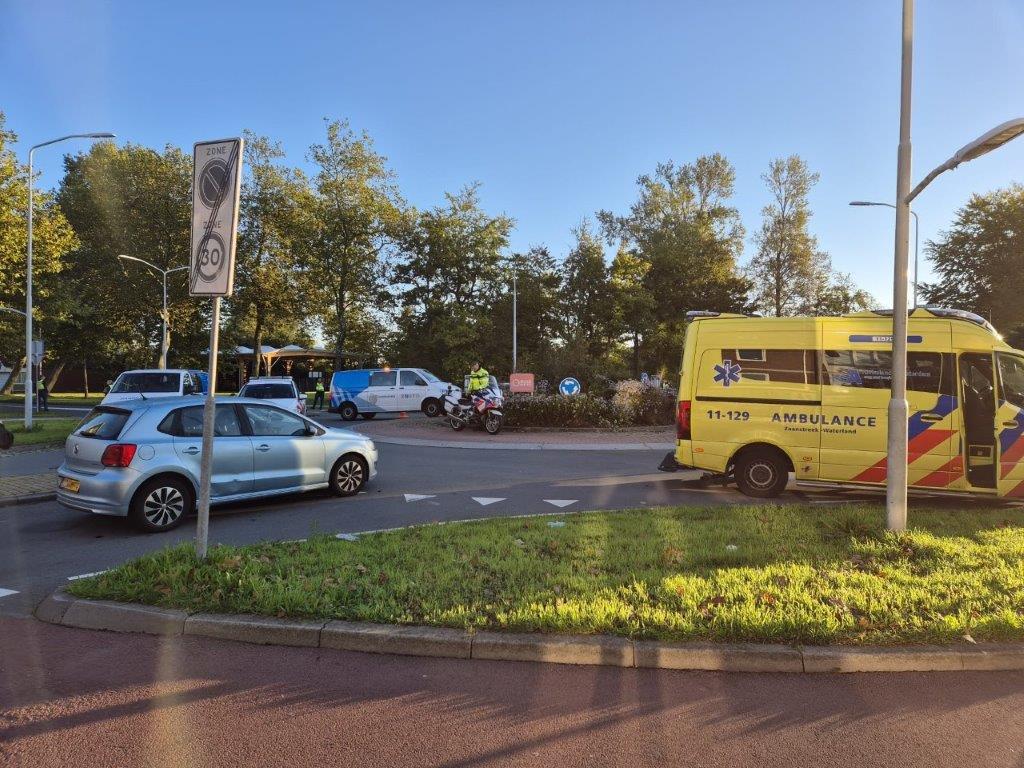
(492, 424)
(457, 424)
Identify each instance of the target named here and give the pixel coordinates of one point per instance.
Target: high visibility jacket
(479, 379)
(319, 386)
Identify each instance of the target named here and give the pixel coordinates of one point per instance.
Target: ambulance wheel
(348, 411)
(762, 472)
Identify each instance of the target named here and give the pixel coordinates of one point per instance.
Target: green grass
(77, 399)
(44, 430)
(757, 573)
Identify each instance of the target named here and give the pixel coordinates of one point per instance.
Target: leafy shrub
(560, 411)
(644, 404)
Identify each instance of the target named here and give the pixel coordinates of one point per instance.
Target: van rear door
(1010, 424)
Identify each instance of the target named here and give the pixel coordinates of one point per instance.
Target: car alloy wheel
(349, 476)
(163, 506)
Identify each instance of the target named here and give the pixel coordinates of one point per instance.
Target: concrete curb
(498, 446)
(32, 498)
(605, 650)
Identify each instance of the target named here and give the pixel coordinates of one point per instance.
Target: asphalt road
(78, 698)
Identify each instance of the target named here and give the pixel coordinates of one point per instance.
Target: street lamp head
(985, 143)
(101, 135)
(861, 202)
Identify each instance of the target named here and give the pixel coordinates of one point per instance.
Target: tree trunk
(9, 386)
(85, 375)
(51, 383)
(257, 345)
(636, 355)
(342, 329)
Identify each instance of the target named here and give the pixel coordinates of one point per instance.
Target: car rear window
(268, 391)
(103, 423)
(146, 382)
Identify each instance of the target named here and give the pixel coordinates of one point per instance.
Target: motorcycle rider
(479, 378)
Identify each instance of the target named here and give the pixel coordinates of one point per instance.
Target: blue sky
(555, 108)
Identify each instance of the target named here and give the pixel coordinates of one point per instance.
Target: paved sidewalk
(22, 486)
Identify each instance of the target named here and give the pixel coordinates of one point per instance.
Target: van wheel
(348, 411)
(161, 504)
(761, 473)
(431, 407)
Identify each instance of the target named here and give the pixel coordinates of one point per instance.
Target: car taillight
(683, 420)
(302, 407)
(118, 455)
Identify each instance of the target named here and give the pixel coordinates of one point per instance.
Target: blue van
(368, 391)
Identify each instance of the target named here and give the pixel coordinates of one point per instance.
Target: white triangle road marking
(417, 496)
(6, 592)
(561, 502)
(483, 501)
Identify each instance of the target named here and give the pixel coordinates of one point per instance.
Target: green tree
(355, 215)
(450, 278)
(979, 262)
(684, 228)
(634, 304)
(586, 296)
(135, 201)
(267, 297)
(788, 263)
(52, 238)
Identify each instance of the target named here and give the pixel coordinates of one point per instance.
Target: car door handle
(931, 417)
(191, 450)
(263, 448)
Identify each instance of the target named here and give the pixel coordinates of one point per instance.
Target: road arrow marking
(417, 496)
(6, 592)
(483, 501)
(561, 502)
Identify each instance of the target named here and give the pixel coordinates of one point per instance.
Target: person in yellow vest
(318, 398)
(43, 393)
(479, 378)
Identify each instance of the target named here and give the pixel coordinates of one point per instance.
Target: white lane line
(417, 496)
(483, 501)
(7, 592)
(560, 502)
(86, 575)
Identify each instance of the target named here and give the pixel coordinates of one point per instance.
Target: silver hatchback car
(140, 458)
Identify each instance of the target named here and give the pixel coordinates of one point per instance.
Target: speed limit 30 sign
(216, 184)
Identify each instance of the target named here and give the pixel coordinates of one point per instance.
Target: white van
(368, 391)
(148, 383)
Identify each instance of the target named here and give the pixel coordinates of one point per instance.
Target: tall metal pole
(917, 231)
(29, 367)
(206, 457)
(515, 300)
(896, 475)
(163, 326)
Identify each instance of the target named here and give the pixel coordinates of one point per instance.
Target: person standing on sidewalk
(318, 398)
(43, 393)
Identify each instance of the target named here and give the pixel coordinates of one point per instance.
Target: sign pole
(216, 186)
(206, 458)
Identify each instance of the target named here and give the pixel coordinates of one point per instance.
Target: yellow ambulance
(760, 398)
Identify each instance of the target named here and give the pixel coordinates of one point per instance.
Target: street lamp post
(163, 315)
(28, 266)
(896, 474)
(917, 231)
(515, 301)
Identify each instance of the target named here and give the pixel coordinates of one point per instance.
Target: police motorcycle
(482, 408)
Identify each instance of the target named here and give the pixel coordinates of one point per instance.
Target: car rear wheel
(431, 407)
(348, 411)
(161, 504)
(762, 473)
(348, 476)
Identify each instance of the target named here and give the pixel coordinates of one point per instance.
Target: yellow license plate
(67, 484)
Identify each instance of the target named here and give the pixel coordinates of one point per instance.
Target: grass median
(45, 431)
(767, 573)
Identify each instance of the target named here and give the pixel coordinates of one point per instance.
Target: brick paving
(16, 486)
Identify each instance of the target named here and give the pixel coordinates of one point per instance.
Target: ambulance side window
(1011, 379)
(790, 366)
(872, 369)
